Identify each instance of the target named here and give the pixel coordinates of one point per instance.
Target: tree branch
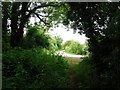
(35, 8)
(42, 6)
(44, 16)
(41, 19)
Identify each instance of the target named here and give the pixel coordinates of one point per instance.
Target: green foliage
(102, 27)
(85, 76)
(48, 13)
(58, 13)
(75, 47)
(34, 68)
(35, 37)
(5, 42)
(39, 38)
(58, 42)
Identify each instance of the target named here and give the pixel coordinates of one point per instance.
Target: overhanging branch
(44, 16)
(41, 19)
(42, 6)
(35, 8)
(38, 7)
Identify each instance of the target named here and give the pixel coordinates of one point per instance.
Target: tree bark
(19, 17)
(14, 24)
(4, 18)
(18, 21)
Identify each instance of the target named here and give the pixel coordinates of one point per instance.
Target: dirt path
(64, 54)
(72, 81)
(72, 62)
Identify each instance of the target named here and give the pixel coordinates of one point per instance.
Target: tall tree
(20, 12)
(99, 21)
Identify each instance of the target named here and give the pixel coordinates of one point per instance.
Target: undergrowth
(34, 68)
(85, 76)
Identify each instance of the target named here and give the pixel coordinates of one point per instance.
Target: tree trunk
(14, 24)
(17, 29)
(4, 18)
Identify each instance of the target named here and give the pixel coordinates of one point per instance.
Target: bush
(37, 37)
(85, 76)
(75, 47)
(34, 68)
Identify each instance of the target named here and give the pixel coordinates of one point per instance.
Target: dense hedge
(34, 68)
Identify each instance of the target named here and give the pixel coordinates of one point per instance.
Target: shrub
(85, 76)
(34, 68)
(75, 47)
(37, 37)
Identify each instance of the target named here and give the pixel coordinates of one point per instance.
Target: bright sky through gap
(63, 33)
(67, 35)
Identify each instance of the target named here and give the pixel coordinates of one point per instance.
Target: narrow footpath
(72, 60)
(72, 81)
